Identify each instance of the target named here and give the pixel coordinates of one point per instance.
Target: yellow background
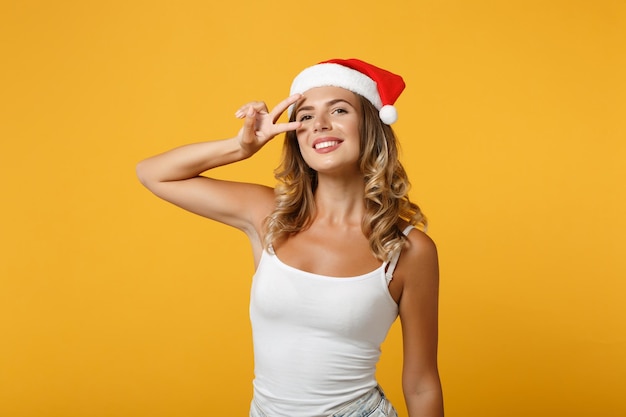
(113, 303)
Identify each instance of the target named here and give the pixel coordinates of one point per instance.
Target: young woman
(336, 252)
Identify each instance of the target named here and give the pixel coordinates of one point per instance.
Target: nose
(321, 123)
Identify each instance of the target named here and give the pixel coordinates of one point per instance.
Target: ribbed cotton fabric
(316, 338)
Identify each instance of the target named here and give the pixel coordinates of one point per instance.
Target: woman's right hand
(260, 125)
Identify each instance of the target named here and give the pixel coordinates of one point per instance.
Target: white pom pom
(388, 114)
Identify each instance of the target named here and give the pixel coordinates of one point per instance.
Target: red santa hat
(377, 85)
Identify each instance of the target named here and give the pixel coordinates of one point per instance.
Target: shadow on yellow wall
(113, 303)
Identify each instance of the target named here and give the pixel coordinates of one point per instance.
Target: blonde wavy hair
(385, 181)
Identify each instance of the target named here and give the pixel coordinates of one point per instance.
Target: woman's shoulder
(417, 237)
(420, 247)
(418, 263)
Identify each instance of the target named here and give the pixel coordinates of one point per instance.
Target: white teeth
(327, 144)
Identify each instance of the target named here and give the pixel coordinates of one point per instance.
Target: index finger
(283, 105)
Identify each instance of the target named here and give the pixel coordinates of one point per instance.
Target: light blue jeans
(373, 403)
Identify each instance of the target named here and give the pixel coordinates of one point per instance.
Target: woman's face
(329, 137)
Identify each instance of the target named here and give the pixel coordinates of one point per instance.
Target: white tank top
(316, 338)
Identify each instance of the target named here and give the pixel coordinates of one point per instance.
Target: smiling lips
(326, 144)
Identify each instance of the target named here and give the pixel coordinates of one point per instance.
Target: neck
(340, 200)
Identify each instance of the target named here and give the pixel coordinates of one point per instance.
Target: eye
(339, 110)
(305, 117)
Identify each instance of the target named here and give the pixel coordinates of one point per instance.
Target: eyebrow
(328, 104)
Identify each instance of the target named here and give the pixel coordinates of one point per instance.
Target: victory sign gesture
(260, 124)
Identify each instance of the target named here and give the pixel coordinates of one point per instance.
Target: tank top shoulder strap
(396, 256)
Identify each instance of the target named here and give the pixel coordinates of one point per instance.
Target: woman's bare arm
(176, 176)
(419, 318)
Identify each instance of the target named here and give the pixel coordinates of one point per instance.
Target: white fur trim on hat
(335, 75)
